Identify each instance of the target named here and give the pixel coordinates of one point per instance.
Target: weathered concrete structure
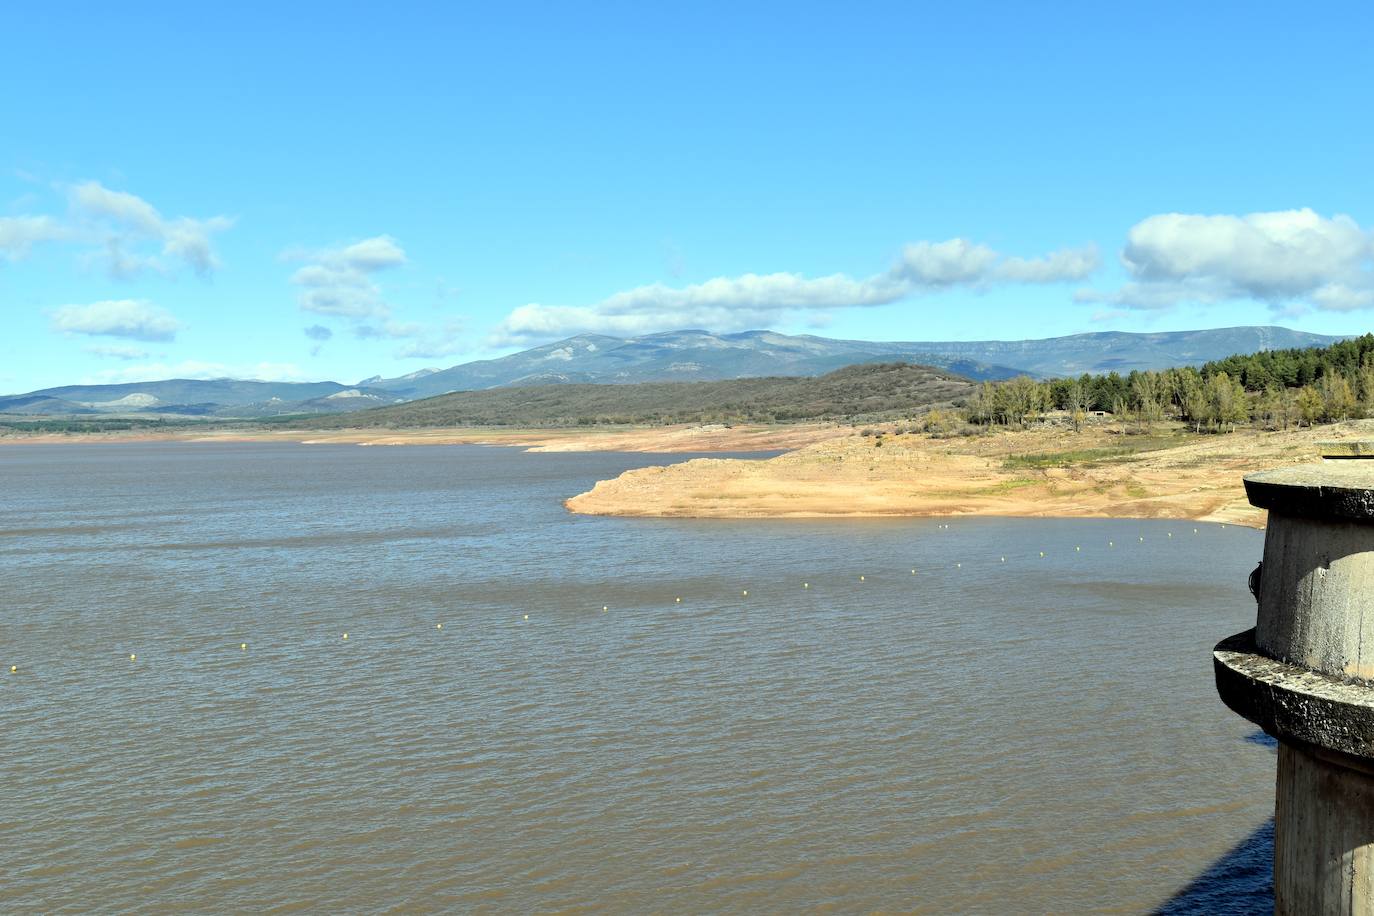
(1305, 675)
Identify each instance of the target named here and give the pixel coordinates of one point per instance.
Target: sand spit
(1100, 472)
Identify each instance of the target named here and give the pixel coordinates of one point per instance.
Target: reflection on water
(1034, 734)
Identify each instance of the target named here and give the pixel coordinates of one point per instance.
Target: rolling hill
(873, 389)
(694, 355)
(675, 356)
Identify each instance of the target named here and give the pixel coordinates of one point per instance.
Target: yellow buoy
(1042, 553)
(345, 636)
(1194, 531)
(438, 626)
(1076, 549)
(745, 593)
(13, 669)
(132, 657)
(527, 616)
(1111, 543)
(1142, 539)
(1004, 559)
(913, 572)
(1171, 534)
(806, 585)
(958, 565)
(243, 647)
(861, 578)
(679, 600)
(604, 608)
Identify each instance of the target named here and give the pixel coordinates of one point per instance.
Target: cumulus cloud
(18, 234)
(135, 319)
(340, 281)
(117, 351)
(387, 330)
(423, 341)
(1286, 258)
(435, 343)
(726, 303)
(318, 332)
(124, 224)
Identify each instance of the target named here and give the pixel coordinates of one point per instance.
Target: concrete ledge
(1347, 448)
(1294, 703)
(1335, 490)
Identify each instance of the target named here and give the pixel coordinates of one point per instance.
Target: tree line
(1273, 389)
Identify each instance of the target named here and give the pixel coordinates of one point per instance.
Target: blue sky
(312, 191)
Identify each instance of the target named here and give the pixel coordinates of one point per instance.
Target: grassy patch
(1090, 457)
(1006, 486)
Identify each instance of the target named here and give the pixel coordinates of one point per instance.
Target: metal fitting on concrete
(1305, 674)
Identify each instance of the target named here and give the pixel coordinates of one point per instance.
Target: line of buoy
(243, 646)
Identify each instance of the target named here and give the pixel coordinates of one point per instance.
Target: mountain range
(687, 355)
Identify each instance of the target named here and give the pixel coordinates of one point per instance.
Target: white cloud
(372, 254)
(339, 281)
(121, 223)
(752, 300)
(117, 351)
(135, 319)
(434, 347)
(18, 234)
(97, 200)
(949, 263)
(1055, 267)
(423, 341)
(1286, 258)
(388, 330)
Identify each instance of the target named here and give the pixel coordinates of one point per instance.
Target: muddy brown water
(986, 735)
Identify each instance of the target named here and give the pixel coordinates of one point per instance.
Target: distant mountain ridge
(196, 398)
(686, 355)
(695, 355)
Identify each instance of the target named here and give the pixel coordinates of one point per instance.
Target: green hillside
(882, 389)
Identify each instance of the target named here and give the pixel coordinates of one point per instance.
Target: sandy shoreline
(666, 439)
(829, 471)
(1111, 475)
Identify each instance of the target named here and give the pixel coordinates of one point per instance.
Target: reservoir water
(995, 732)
